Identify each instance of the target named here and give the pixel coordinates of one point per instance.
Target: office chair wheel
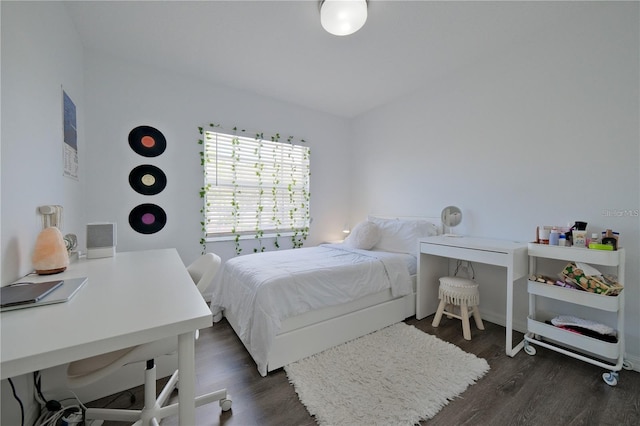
(225, 403)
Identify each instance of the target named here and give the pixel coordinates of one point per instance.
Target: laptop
(62, 292)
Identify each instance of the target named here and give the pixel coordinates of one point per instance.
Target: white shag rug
(396, 376)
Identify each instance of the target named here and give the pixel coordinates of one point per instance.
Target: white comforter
(263, 289)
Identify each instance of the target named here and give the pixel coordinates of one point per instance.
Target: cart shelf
(578, 346)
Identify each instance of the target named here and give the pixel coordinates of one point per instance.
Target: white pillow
(363, 236)
(401, 235)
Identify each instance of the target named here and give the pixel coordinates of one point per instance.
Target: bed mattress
(262, 290)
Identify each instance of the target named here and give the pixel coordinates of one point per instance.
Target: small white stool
(461, 292)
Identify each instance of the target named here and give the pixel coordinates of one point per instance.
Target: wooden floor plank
(546, 389)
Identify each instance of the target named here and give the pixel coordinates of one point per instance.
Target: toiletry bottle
(609, 239)
(594, 239)
(554, 237)
(579, 238)
(543, 235)
(562, 240)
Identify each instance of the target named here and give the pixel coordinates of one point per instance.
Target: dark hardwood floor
(546, 389)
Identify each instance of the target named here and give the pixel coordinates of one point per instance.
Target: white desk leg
(430, 269)
(186, 366)
(510, 350)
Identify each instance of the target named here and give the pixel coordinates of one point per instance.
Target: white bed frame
(313, 332)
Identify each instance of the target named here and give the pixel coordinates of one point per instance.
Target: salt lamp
(50, 254)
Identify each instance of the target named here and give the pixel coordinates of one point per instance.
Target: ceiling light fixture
(343, 17)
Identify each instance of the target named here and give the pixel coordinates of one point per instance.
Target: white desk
(435, 253)
(129, 299)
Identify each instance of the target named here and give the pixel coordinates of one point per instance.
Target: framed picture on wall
(70, 137)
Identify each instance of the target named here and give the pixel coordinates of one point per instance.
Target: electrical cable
(37, 386)
(51, 411)
(473, 272)
(51, 419)
(468, 265)
(132, 399)
(15, 395)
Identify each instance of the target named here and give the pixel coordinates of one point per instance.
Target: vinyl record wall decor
(147, 218)
(147, 179)
(147, 141)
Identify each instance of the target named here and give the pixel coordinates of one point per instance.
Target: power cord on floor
(132, 399)
(53, 412)
(65, 416)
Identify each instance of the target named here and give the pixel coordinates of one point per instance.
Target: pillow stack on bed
(363, 236)
(392, 235)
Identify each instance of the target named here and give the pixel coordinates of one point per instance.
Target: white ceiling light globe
(343, 17)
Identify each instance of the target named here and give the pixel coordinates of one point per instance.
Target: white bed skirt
(312, 332)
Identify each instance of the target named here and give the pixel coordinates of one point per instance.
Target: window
(254, 187)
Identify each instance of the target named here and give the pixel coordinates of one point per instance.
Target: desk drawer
(463, 253)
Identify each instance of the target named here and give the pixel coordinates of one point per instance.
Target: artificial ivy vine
(299, 235)
(235, 154)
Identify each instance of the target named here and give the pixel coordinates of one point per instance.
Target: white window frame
(242, 173)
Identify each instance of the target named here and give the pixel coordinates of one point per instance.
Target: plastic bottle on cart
(554, 237)
(594, 239)
(562, 240)
(610, 239)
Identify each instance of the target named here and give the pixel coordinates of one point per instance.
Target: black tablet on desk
(26, 293)
(63, 292)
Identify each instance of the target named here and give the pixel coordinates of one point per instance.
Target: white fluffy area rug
(396, 376)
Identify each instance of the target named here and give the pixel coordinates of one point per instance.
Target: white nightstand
(435, 253)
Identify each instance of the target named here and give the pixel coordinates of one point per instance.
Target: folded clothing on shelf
(582, 324)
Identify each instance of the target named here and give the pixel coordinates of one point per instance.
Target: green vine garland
(299, 234)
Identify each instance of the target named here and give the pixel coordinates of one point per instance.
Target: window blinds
(254, 186)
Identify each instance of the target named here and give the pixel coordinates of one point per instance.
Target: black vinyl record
(147, 141)
(147, 218)
(147, 179)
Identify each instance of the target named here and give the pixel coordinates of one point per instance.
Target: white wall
(122, 96)
(41, 54)
(544, 133)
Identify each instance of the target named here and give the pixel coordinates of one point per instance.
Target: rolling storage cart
(582, 347)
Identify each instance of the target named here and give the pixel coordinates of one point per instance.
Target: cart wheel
(610, 378)
(225, 404)
(530, 350)
(627, 365)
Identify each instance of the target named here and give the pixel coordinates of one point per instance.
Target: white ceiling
(278, 48)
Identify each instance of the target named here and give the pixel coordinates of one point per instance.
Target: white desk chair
(89, 370)
(202, 271)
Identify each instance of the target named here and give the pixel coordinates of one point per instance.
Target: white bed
(290, 304)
